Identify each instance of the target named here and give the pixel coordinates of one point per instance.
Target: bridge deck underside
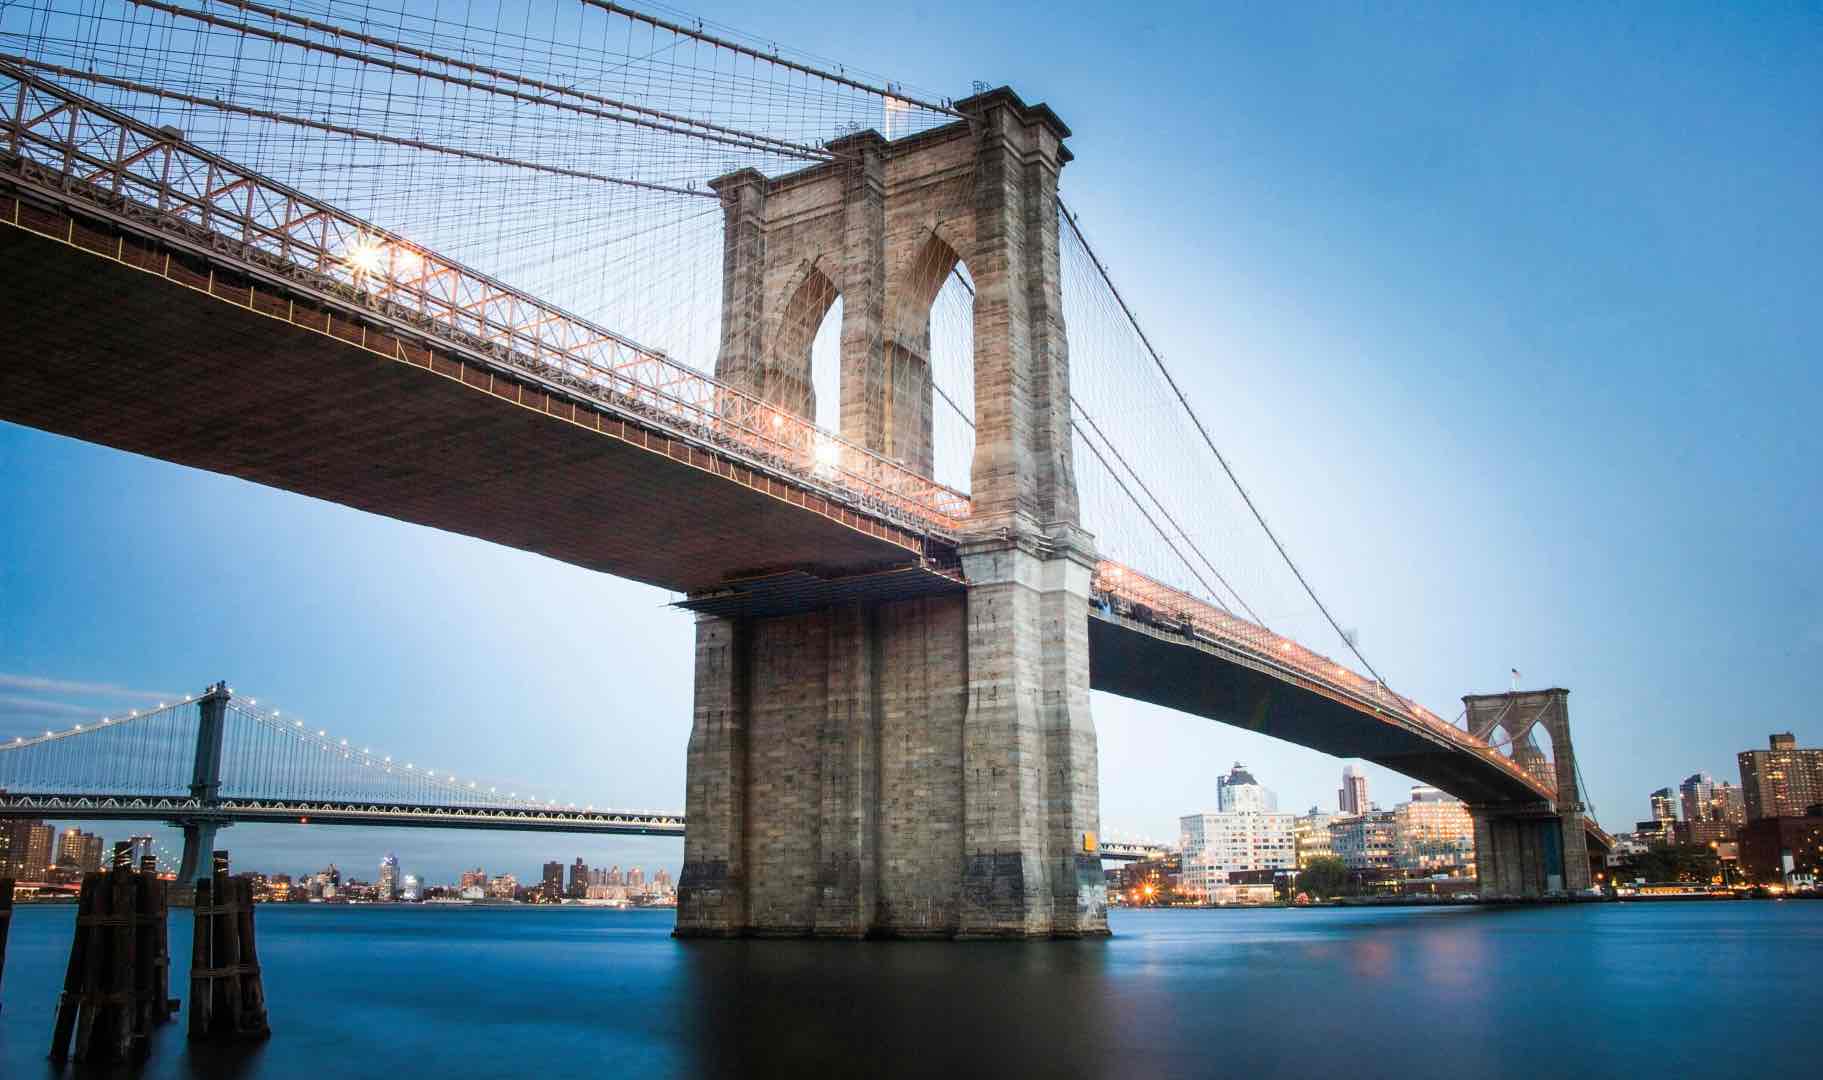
(110, 354)
(1133, 661)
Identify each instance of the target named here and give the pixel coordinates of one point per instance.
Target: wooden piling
(101, 1004)
(6, 920)
(154, 944)
(227, 996)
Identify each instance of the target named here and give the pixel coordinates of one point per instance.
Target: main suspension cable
(771, 58)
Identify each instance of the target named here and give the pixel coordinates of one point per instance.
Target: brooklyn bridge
(830, 358)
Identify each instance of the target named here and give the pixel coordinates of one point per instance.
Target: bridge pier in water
(1527, 852)
(205, 785)
(926, 766)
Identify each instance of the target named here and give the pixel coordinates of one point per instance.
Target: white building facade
(1217, 844)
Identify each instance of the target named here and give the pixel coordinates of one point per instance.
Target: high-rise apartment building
(1352, 798)
(388, 888)
(1697, 797)
(1784, 781)
(579, 879)
(1664, 804)
(25, 849)
(553, 881)
(503, 887)
(1731, 804)
(79, 851)
(473, 879)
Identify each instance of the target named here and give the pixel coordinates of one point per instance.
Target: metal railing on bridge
(1131, 593)
(84, 154)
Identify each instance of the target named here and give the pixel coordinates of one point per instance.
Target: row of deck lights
(368, 758)
(1115, 573)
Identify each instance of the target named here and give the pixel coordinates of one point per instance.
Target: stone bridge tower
(925, 766)
(1529, 851)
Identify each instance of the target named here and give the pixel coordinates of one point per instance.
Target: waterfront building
(1433, 831)
(662, 884)
(1705, 832)
(1656, 833)
(388, 888)
(1213, 845)
(1664, 804)
(79, 851)
(1310, 835)
(1240, 791)
(636, 879)
(1784, 781)
(1147, 881)
(25, 849)
(1366, 841)
(412, 889)
(1774, 850)
(579, 879)
(1352, 798)
(1626, 845)
(503, 887)
(552, 883)
(473, 879)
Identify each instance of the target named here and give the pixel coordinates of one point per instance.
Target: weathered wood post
(227, 998)
(100, 1003)
(6, 919)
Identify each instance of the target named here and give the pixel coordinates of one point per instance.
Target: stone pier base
(919, 768)
(1522, 856)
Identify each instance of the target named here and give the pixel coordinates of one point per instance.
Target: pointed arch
(809, 296)
(917, 281)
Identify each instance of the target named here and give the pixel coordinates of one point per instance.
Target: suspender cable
(770, 58)
(1210, 442)
(784, 147)
(341, 129)
(457, 80)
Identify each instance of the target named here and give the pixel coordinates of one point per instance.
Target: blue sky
(1506, 318)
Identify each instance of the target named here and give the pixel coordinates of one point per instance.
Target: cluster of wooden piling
(227, 997)
(117, 985)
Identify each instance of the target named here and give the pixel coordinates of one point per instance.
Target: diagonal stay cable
(1115, 450)
(1210, 442)
(1131, 471)
(782, 146)
(340, 129)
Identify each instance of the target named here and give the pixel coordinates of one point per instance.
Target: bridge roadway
(94, 807)
(132, 330)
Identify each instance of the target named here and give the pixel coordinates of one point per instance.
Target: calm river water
(1707, 988)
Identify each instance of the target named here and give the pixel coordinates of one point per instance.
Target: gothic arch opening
(930, 361)
(811, 315)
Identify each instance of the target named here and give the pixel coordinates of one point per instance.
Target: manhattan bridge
(828, 355)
